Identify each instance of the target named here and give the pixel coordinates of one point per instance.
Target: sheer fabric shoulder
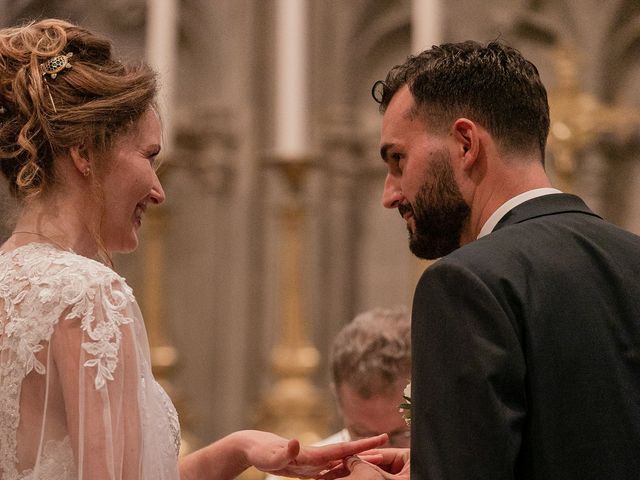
(77, 397)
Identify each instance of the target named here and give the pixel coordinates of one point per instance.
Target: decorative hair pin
(56, 64)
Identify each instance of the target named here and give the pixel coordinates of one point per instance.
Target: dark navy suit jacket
(526, 351)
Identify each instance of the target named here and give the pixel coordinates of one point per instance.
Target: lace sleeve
(97, 355)
(78, 400)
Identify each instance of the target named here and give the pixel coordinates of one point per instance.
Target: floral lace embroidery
(57, 461)
(38, 283)
(106, 334)
(174, 422)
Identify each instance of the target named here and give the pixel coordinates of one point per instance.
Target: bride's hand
(276, 455)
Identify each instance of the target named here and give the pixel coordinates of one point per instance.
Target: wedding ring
(351, 461)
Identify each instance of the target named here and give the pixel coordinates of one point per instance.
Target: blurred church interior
(273, 235)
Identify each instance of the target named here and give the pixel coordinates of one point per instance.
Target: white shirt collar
(510, 204)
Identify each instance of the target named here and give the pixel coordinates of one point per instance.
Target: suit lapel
(542, 206)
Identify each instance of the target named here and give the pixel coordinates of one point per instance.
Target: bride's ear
(81, 159)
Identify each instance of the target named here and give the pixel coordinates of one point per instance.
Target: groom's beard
(439, 212)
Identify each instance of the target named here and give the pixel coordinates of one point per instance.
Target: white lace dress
(77, 396)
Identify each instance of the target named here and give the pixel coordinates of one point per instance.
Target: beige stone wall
(222, 299)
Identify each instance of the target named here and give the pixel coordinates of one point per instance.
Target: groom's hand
(387, 464)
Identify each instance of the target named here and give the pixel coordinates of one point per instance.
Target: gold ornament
(56, 64)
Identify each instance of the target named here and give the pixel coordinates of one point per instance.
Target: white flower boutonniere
(405, 407)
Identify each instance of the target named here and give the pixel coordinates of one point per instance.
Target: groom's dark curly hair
(493, 85)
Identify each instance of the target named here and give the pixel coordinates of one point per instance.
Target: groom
(526, 334)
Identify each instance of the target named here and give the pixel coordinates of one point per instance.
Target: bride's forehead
(146, 129)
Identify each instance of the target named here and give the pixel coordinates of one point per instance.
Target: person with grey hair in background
(370, 365)
(370, 361)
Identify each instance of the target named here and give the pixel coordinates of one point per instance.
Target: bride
(79, 138)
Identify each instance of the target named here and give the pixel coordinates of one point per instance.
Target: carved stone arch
(604, 38)
(373, 15)
(388, 31)
(370, 37)
(380, 40)
(348, 33)
(361, 40)
(623, 49)
(620, 85)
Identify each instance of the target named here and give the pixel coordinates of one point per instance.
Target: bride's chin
(123, 245)
(129, 247)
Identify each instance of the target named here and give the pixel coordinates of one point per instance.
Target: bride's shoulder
(91, 277)
(43, 288)
(63, 274)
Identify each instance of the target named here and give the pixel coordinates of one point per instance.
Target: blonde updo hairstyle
(89, 104)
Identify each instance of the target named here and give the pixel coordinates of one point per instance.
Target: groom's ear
(466, 142)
